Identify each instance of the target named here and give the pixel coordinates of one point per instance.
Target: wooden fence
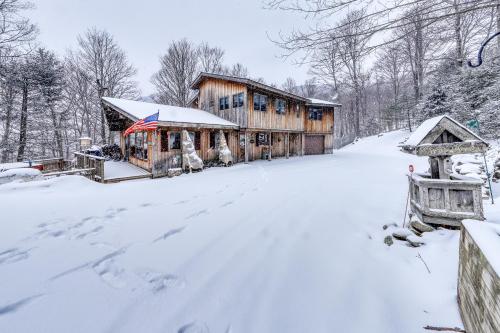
(91, 162)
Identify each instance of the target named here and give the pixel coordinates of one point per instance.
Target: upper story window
(238, 100)
(315, 114)
(280, 106)
(224, 103)
(259, 102)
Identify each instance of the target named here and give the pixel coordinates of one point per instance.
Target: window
(163, 141)
(145, 146)
(262, 139)
(174, 141)
(196, 138)
(238, 100)
(297, 110)
(315, 114)
(280, 106)
(224, 103)
(141, 145)
(214, 139)
(259, 102)
(131, 138)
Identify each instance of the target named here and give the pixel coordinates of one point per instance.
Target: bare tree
(290, 86)
(238, 70)
(309, 88)
(106, 67)
(211, 58)
(15, 29)
(179, 67)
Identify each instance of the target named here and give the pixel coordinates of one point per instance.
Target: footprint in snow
(201, 212)
(226, 204)
(169, 233)
(194, 327)
(13, 307)
(13, 255)
(159, 281)
(110, 273)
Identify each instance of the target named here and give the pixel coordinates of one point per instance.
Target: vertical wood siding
(211, 90)
(291, 120)
(478, 288)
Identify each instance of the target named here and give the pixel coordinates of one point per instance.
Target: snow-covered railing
(86, 161)
(444, 201)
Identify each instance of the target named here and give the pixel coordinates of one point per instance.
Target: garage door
(314, 144)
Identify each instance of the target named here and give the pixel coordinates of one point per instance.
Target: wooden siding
(278, 148)
(210, 92)
(206, 153)
(291, 120)
(323, 126)
(478, 288)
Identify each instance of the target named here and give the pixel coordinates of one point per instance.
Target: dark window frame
(315, 114)
(260, 102)
(280, 105)
(238, 100)
(224, 103)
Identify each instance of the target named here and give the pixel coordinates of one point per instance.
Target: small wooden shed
(440, 196)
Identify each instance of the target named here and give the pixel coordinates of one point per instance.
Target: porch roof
(168, 115)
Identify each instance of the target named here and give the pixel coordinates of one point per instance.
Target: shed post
(247, 146)
(154, 155)
(302, 142)
(269, 156)
(287, 144)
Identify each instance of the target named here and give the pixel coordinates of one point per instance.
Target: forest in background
(391, 66)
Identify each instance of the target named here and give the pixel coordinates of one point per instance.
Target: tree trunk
(57, 132)
(8, 118)
(458, 34)
(24, 122)
(498, 26)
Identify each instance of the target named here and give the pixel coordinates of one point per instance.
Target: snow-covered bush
(21, 175)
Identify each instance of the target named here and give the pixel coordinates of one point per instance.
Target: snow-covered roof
(322, 102)
(422, 131)
(136, 110)
(427, 126)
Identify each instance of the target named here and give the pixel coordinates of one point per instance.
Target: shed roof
(425, 129)
(168, 114)
(432, 138)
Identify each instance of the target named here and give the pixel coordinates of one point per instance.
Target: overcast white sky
(145, 28)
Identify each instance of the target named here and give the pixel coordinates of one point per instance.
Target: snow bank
(22, 175)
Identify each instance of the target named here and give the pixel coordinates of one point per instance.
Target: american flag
(149, 123)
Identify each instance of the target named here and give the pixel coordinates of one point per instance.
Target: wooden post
(247, 147)
(287, 144)
(269, 157)
(302, 143)
(154, 153)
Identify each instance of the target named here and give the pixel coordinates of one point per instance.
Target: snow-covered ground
(284, 246)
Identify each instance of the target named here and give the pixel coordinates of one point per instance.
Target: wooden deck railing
(86, 161)
(443, 201)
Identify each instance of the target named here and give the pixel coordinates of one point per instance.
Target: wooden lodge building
(272, 122)
(258, 121)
